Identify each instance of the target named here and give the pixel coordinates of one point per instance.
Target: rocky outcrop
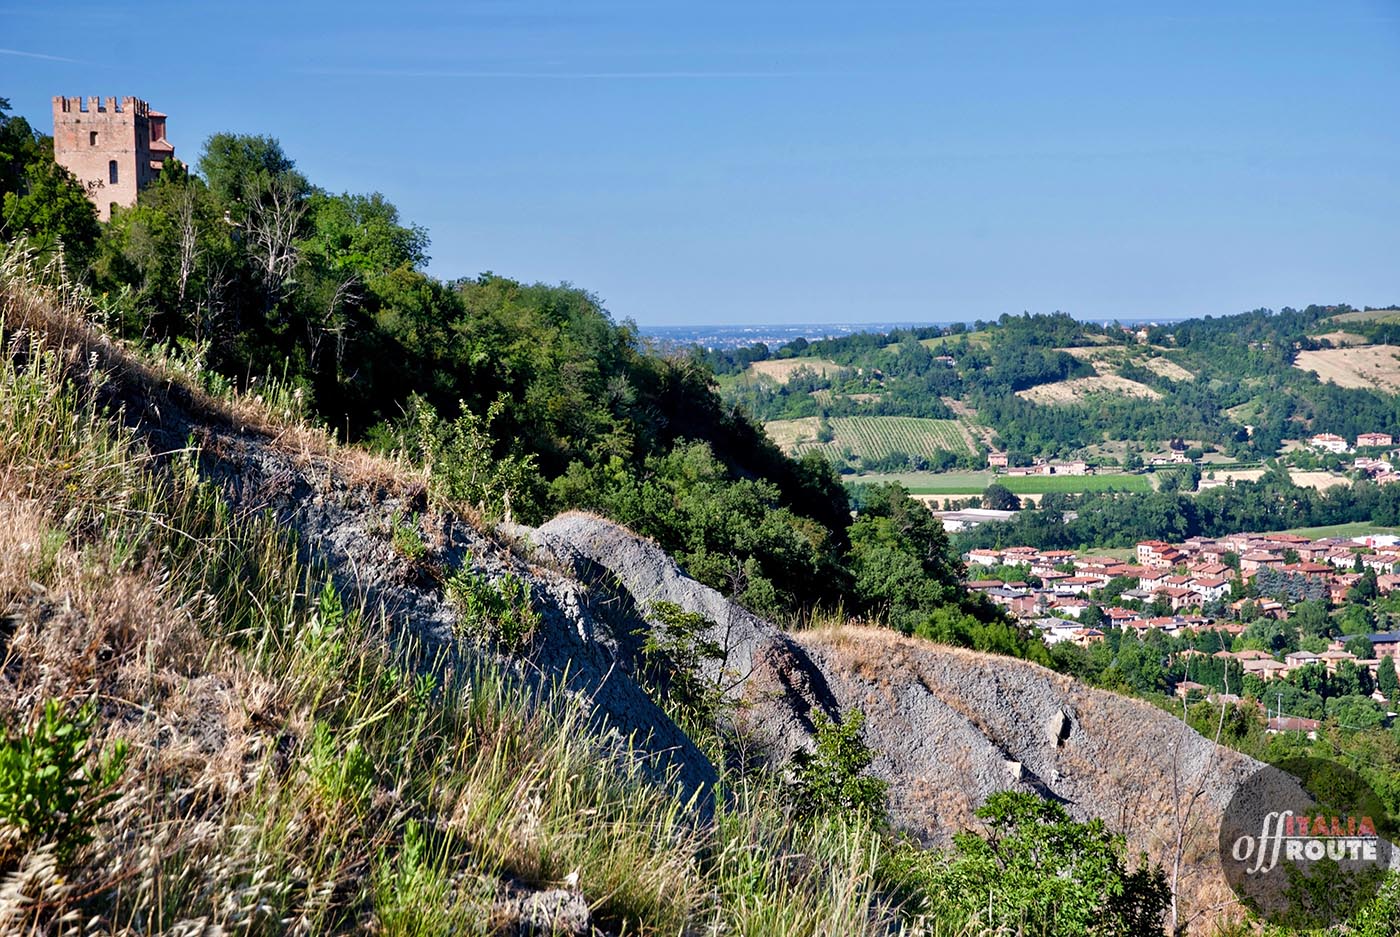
(949, 726)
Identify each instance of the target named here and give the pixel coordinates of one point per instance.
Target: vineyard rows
(873, 437)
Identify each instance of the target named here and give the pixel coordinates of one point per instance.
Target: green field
(974, 483)
(981, 339)
(871, 437)
(1369, 315)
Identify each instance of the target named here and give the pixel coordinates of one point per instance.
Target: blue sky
(763, 162)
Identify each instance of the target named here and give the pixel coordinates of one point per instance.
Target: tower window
(92, 138)
(112, 171)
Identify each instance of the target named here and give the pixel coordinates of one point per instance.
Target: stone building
(114, 147)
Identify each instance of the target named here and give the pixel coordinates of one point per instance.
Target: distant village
(1187, 588)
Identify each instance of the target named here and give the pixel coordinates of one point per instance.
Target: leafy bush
(464, 464)
(502, 611)
(53, 786)
(340, 773)
(1037, 871)
(407, 541)
(674, 655)
(830, 781)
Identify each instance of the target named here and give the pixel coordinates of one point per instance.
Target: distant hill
(1048, 386)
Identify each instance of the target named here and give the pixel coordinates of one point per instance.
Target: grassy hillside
(205, 726)
(263, 754)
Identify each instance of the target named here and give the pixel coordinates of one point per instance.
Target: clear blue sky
(769, 162)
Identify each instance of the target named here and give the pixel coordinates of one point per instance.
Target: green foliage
(414, 892)
(407, 540)
(1036, 871)
(53, 784)
(830, 780)
(906, 574)
(1000, 498)
(50, 208)
(735, 536)
(232, 164)
(342, 772)
(675, 654)
(502, 610)
(461, 456)
(1386, 678)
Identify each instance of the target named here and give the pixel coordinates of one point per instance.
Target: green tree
(1362, 647)
(234, 164)
(1386, 679)
(43, 201)
(20, 146)
(1036, 871)
(1000, 498)
(830, 780)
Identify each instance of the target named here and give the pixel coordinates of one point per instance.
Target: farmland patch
(1081, 388)
(1369, 366)
(781, 370)
(870, 437)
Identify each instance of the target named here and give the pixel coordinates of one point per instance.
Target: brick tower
(115, 148)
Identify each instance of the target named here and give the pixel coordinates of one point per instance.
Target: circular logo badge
(1306, 843)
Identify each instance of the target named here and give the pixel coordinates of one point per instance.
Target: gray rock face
(553, 913)
(949, 726)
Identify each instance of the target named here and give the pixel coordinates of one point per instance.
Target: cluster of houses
(1331, 442)
(1181, 581)
(1266, 667)
(1000, 461)
(1381, 470)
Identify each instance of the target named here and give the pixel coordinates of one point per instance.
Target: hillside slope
(243, 693)
(949, 726)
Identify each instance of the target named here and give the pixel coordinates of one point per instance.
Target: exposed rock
(552, 913)
(949, 726)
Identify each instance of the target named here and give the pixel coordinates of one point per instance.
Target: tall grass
(297, 766)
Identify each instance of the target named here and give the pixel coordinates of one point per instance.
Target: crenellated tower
(114, 146)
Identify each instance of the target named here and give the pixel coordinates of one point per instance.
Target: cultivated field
(1361, 366)
(1081, 388)
(782, 369)
(974, 483)
(1369, 315)
(871, 437)
(1319, 480)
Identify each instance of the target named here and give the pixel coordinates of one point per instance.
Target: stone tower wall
(107, 144)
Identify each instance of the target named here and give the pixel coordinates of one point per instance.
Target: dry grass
(1343, 339)
(297, 767)
(781, 370)
(1168, 369)
(39, 303)
(1367, 366)
(1108, 361)
(1319, 480)
(1082, 388)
